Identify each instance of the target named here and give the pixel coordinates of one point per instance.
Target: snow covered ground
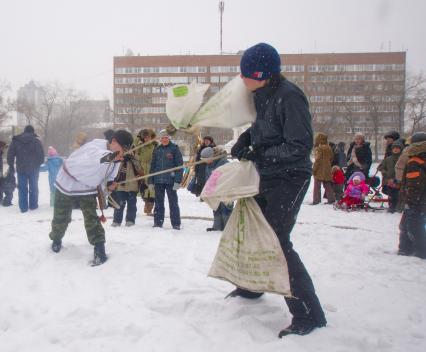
(153, 293)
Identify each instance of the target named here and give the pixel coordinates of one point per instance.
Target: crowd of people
(347, 181)
(279, 143)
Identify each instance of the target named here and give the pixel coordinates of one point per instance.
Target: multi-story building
(348, 93)
(28, 96)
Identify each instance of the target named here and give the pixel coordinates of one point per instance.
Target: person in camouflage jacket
(413, 233)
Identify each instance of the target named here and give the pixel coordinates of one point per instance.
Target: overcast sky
(74, 41)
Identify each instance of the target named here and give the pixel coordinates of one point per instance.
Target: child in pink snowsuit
(355, 191)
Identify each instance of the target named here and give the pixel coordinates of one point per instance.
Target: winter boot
(99, 256)
(56, 246)
(298, 329)
(240, 292)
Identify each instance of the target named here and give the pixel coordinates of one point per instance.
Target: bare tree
(413, 84)
(41, 113)
(7, 104)
(416, 109)
(375, 121)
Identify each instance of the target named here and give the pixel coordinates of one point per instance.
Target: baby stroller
(376, 199)
(366, 195)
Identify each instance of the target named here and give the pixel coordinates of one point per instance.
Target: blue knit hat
(260, 61)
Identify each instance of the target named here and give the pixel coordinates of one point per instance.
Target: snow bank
(153, 294)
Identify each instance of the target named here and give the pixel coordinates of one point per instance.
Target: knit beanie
(398, 144)
(123, 138)
(29, 129)
(51, 151)
(260, 62)
(207, 153)
(392, 134)
(418, 137)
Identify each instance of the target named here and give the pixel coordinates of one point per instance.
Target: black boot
(297, 329)
(240, 292)
(99, 256)
(56, 246)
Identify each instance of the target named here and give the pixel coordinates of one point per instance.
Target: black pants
(280, 200)
(412, 235)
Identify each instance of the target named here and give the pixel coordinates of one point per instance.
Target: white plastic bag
(232, 106)
(249, 253)
(230, 182)
(183, 101)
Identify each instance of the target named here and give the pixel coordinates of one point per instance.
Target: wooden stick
(184, 165)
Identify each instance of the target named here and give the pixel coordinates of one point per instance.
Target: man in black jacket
(27, 149)
(279, 142)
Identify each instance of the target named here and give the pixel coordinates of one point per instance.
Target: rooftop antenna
(221, 9)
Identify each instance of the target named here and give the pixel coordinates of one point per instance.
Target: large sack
(183, 101)
(230, 182)
(232, 106)
(249, 253)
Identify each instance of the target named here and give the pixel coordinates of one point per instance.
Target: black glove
(127, 157)
(249, 154)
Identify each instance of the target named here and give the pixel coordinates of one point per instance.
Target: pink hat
(51, 151)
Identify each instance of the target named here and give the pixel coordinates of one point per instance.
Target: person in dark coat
(333, 147)
(359, 156)
(166, 156)
(27, 150)
(3, 146)
(279, 142)
(412, 236)
(387, 168)
(7, 187)
(223, 212)
(341, 154)
(200, 169)
(390, 137)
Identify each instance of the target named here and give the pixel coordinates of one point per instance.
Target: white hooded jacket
(83, 171)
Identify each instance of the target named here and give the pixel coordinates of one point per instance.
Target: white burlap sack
(249, 253)
(230, 182)
(232, 106)
(183, 101)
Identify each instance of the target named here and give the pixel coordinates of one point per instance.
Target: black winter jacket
(364, 156)
(28, 151)
(282, 133)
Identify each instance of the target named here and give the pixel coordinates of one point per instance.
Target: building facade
(348, 92)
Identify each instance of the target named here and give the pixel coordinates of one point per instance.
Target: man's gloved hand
(151, 187)
(249, 154)
(176, 186)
